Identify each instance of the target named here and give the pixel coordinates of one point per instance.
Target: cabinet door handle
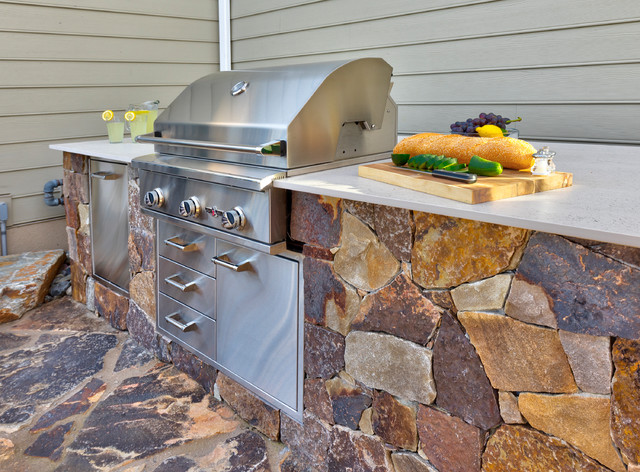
(182, 327)
(184, 247)
(105, 175)
(188, 287)
(225, 262)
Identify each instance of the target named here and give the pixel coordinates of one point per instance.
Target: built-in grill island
(229, 288)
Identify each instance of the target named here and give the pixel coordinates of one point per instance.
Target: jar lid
(544, 152)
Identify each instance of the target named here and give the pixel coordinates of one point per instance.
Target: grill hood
(283, 117)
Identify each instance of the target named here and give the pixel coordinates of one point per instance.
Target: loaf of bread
(510, 152)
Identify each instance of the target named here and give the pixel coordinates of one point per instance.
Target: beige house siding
(570, 69)
(62, 62)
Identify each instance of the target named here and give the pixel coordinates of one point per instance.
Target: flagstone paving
(79, 395)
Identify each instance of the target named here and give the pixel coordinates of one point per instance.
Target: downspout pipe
(4, 217)
(49, 187)
(224, 33)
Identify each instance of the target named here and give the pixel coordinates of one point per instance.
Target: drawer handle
(188, 287)
(225, 262)
(184, 247)
(182, 327)
(105, 175)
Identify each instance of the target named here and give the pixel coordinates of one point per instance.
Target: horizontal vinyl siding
(570, 68)
(62, 62)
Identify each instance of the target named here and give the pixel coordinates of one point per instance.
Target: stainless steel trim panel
(110, 222)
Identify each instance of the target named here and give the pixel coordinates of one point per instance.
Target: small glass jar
(544, 164)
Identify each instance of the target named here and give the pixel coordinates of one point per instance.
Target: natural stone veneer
(400, 309)
(331, 302)
(263, 417)
(448, 442)
(487, 294)
(625, 401)
(394, 227)
(394, 421)
(315, 219)
(590, 359)
(581, 420)
(348, 401)
(509, 408)
(462, 385)
(450, 251)
(353, 450)
(529, 303)
(518, 356)
(591, 303)
(392, 364)
(517, 448)
(362, 259)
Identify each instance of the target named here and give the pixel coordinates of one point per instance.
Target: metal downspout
(224, 33)
(4, 217)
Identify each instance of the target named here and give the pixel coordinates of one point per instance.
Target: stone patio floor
(77, 395)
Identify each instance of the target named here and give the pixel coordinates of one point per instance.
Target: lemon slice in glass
(107, 115)
(129, 116)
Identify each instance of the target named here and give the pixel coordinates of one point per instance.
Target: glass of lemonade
(115, 129)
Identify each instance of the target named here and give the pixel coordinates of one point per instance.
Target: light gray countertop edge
(122, 152)
(603, 204)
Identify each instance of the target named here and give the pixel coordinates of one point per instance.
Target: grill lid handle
(278, 148)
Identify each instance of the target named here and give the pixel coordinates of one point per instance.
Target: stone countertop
(122, 152)
(601, 205)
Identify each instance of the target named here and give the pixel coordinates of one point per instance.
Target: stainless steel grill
(228, 288)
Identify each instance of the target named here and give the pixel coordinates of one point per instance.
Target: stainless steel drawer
(257, 320)
(188, 326)
(190, 287)
(189, 248)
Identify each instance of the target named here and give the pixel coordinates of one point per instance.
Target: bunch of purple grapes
(469, 126)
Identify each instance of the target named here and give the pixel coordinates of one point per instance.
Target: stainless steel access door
(258, 321)
(110, 222)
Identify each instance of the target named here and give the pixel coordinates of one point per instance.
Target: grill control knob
(234, 219)
(189, 207)
(154, 198)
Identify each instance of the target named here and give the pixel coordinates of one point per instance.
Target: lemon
(129, 116)
(489, 131)
(107, 115)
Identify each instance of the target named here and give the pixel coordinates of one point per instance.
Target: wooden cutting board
(511, 183)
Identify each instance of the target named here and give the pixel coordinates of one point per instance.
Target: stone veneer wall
(437, 343)
(431, 343)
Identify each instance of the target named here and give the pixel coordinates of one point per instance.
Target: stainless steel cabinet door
(257, 319)
(110, 222)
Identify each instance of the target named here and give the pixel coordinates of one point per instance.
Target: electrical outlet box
(6, 198)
